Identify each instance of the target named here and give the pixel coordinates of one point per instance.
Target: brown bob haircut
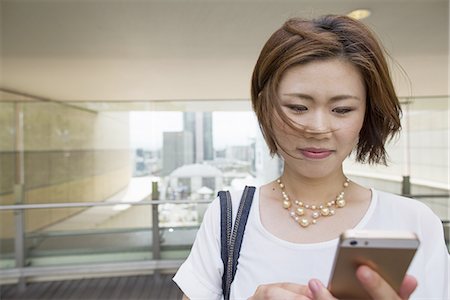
(300, 41)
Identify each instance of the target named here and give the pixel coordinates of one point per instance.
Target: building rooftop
(196, 170)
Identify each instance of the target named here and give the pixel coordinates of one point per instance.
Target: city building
(194, 181)
(200, 125)
(178, 150)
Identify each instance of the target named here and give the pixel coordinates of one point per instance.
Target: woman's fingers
(296, 288)
(319, 291)
(374, 284)
(408, 286)
(380, 289)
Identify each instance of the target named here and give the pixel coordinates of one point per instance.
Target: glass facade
(86, 174)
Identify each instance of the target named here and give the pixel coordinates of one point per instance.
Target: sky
(229, 128)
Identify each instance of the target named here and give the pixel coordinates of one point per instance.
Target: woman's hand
(282, 291)
(375, 286)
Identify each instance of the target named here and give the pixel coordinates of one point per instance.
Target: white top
(264, 258)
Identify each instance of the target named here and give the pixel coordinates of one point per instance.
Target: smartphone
(389, 253)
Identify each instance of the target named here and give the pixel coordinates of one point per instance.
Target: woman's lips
(315, 153)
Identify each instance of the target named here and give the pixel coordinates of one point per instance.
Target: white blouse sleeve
(434, 282)
(200, 276)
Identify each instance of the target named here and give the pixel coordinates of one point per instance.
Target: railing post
(406, 186)
(19, 193)
(156, 243)
(19, 239)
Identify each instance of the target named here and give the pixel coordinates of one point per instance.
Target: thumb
(408, 286)
(319, 291)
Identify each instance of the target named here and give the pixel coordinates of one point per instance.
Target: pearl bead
(341, 203)
(304, 222)
(325, 211)
(286, 204)
(300, 211)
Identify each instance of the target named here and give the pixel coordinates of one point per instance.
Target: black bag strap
(231, 241)
(225, 233)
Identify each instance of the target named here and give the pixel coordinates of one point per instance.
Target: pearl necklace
(317, 211)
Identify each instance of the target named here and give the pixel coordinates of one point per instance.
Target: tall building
(200, 125)
(178, 150)
(208, 150)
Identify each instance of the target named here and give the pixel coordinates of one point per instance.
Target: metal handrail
(21, 272)
(419, 196)
(148, 202)
(155, 265)
(103, 231)
(148, 265)
(94, 204)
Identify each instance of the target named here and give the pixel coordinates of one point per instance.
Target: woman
(320, 89)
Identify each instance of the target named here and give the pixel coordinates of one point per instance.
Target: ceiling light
(359, 14)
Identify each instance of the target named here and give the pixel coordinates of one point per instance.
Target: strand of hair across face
(310, 132)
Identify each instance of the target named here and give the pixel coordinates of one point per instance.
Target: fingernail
(366, 273)
(314, 285)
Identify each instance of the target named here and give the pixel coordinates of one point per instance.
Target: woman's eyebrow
(299, 95)
(344, 97)
(311, 98)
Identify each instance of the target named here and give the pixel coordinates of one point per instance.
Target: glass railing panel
(428, 144)
(7, 181)
(99, 152)
(419, 157)
(7, 233)
(119, 232)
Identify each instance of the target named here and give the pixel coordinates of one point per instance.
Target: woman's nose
(317, 125)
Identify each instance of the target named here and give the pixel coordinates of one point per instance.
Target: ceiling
(83, 50)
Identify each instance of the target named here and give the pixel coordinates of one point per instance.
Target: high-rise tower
(200, 126)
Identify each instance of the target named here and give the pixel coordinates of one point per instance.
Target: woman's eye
(297, 108)
(342, 110)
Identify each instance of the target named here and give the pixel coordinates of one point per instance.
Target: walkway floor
(117, 288)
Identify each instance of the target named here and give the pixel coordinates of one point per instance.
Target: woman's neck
(310, 189)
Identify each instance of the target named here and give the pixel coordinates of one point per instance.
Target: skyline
(233, 128)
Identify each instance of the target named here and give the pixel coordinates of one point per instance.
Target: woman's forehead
(332, 78)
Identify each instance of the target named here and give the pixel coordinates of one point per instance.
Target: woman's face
(327, 99)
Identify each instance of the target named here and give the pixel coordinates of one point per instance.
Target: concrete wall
(421, 152)
(422, 148)
(70, 155)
